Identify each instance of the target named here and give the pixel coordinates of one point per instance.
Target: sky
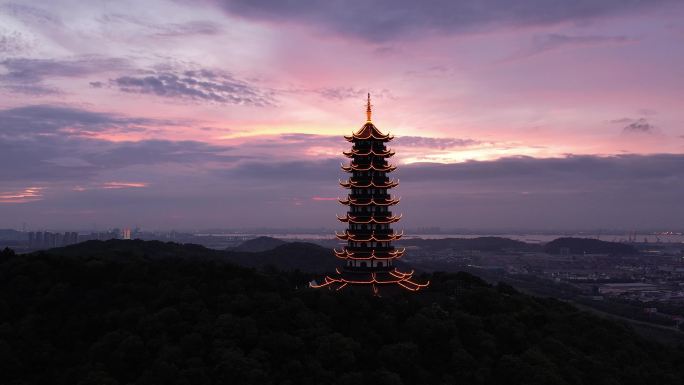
(178, 114)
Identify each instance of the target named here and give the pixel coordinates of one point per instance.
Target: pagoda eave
(350, 219)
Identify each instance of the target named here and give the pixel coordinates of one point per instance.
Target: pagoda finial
(368, 109)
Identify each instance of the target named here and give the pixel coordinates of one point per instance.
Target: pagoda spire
(368, 109)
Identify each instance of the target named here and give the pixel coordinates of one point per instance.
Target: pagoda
(369, 256)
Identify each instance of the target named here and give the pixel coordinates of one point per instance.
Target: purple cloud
(197, 27)
(63, 120)
(29, 76)
(639, 126)
(202, 85)
(393, 19)
(13, 42)
(555, 41)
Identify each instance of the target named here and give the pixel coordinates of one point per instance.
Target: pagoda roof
(372, 219)
(369, 131)
(371, 201)
(347, 236)
(356, 167)
(346, 254)
(385, 153)
(350, 183)
(381, 278)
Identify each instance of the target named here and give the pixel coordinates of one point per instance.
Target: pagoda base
(375, 280)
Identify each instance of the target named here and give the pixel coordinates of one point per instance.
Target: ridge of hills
(159, 313)
(287, 256)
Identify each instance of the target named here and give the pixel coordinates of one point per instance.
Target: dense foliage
(172, 320)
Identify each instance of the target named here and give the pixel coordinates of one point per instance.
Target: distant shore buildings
(47, 239)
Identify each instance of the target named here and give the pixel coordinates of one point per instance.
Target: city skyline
(230, 114)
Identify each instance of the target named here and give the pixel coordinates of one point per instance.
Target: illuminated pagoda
(369, 254)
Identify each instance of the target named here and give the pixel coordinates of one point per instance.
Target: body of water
(529, 238)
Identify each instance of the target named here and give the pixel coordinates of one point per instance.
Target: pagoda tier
(351, 184)
(366, 201)
(368, 253)
(370, 166)
(358, 219)
(368, 131)
(353, 153)
(372, 237)
(372, 254)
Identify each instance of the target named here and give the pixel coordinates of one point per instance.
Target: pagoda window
(364, 264)
(380, 264)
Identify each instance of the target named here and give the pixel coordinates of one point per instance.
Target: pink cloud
(29, 194)
(120, 185)
(317, 198)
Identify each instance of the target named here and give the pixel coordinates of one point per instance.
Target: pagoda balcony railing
(361, 269)
(367, 230)
(374, 184)
(364, 161)
(370, 196)
(368, 247)
(365, 179)
(367, 214)
(378, 250)
(368, 219)
(376, 146)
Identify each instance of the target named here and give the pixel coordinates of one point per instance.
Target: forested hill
(287, 256)
(259, 244)
(98, 318)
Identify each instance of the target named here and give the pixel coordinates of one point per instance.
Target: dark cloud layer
(204, 185)
(53, 143)
(554, 41)
(34, 70)
(29, 76)
(641, 126)
(582, 171)
(389, 19)
(29, 14)
(203, 85)
(197, 27)
(50, 119)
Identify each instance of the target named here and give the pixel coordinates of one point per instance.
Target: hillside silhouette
(158, 313)
(259, 244)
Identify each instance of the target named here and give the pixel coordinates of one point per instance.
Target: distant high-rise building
(126, 233)
(369, 255)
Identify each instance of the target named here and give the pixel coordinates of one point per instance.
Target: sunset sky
(179, 114)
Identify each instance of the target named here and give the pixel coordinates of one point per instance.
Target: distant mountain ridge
(308, 257)
(288, 256)
(258, 244)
